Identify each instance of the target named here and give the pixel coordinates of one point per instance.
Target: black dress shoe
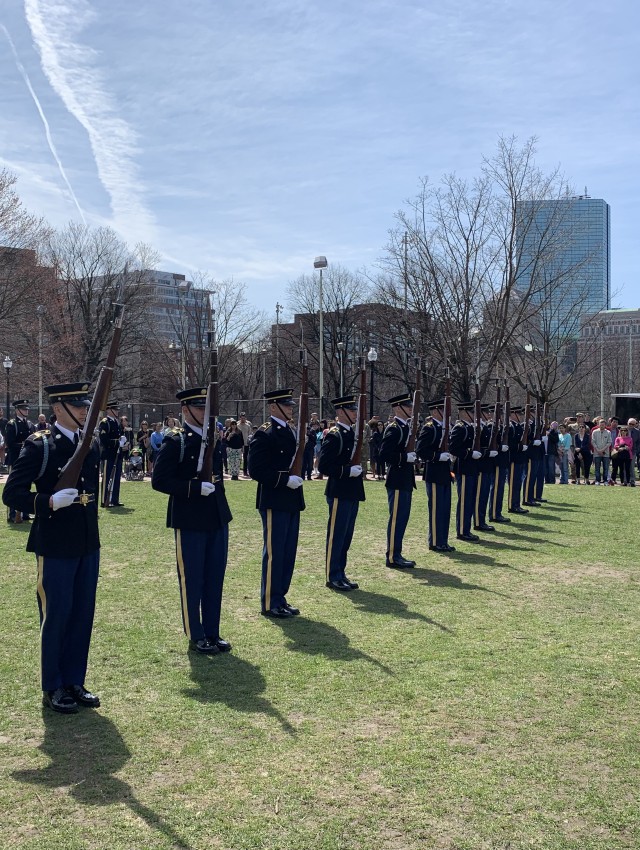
(518, 511)
(82, 696)
(531, 504)
(352, 584)
(484, 527)
(338, 584)
(60, 701)
(400, 563)
(281, 613)
(204, 646)
(118, 505)
(470, 538)
(501, 519)
(291, 609)
(546, 500)
(440, 548)
(223, 645)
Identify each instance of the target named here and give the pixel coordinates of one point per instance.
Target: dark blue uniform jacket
(270, 454)
(393, 451)
(335, 461)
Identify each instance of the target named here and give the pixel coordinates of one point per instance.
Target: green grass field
(487, 699)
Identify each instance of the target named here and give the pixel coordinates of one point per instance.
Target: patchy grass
(486, 699)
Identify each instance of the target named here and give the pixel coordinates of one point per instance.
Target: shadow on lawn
(378, 603)
(212, 676)
(533, 541)
(314, 637)
(440, 579)
(86, 751)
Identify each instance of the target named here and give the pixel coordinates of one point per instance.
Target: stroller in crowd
(134, 469)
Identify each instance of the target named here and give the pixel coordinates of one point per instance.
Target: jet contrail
(43, 117)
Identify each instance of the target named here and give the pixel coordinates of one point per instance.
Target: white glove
(493, 453)
(207, 488)
(63, 498)
(355, 471)
(537, 442)
(524, 448)
(444, 456)
(476, 455)
(123, 440)
(505, 447)
(294, 482)
(411, 457)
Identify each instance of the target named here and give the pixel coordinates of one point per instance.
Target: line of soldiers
(65, 539)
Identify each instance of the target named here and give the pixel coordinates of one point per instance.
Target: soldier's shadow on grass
(378, 603)
(315, 637)
(213, 677)
(86, 751)
(436, 578)
(533, 541)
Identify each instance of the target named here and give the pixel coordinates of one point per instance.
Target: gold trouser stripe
(103, 483)
(462, 502)
(394, 515)
(267, 589)
(511, 469)
(434, 508)
(183, 583)
(477, 508)
(42, 596)
(526, 481)
(334, 514)
(495, 493)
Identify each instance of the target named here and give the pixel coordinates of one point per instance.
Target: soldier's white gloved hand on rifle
(493, 453)
(294, 482)
(505, 447)
(444, 456)
(123, 440)
(207, 488)
(537, 442)
(525, 447)
(411, 457)
(355, 471)
(63, 498)
(476, 455)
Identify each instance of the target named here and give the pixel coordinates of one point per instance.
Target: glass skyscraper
(565, 259)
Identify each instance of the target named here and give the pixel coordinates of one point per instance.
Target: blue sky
(244, 138)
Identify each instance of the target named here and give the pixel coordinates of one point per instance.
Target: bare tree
(457, 260)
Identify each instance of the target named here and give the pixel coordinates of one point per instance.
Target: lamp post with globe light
(372, 356)
(321, 263)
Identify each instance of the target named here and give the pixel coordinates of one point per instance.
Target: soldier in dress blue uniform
(200, 516)
(279, 499)
(344, 491)
(517, 461)
(466, 469)
(112, 440)
(534, 462)
(17, 430)
(437, 475)
(501, 472)
(65, 540)
(486, 472)
(401, 477)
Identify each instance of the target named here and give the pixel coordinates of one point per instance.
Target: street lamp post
(321, 263)
(175, 348)
(601, 368)
(264, 384)
(340, 356)
(40, 311)
(372, 356)
(279, 309)
(8, 363)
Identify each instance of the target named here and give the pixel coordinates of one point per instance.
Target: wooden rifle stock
(493, 445)
(478, 420)
(72, 470)
(212, 410)
(446, 418)
(524, 440)
(356, 456)
(545, 417)
(417, 404)
(303, 417)
(539, 422)
(507, 413)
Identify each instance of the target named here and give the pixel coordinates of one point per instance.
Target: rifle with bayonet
(524, 439)
(477, 418)
(493, 443)
(211, 411)
(417, 404)
(356, 457)
(303, 417)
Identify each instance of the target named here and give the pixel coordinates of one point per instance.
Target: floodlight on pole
(321, 263)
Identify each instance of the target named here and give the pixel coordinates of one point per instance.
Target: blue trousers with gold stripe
(439, 506)
(530, 476)
(66, 600)
(399, 513)
(483, 490)
(107, 471)
(496, 496)
(515, 485)
(202, 560)
(467, 485)
(540, 477)
(342, 521)
(280, 533)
